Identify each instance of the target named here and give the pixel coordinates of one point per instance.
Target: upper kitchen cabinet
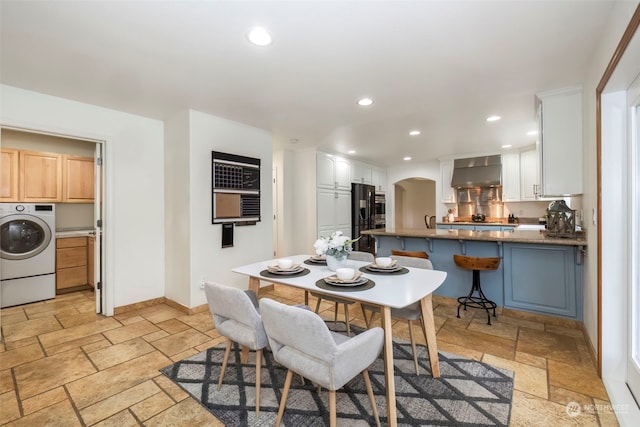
(560, 122)
(332, 172)
(78, 182)
(529, 179)
(447, 193)
(9, 179)
(379, 179)
(511, 177)
(40, 177)
(361, 173)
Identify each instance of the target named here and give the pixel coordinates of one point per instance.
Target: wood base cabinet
(71, 262)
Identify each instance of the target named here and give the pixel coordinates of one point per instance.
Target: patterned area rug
(468, 392)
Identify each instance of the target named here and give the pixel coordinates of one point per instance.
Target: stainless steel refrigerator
(363, 198)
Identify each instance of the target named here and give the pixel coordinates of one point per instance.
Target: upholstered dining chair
(409, 313)
(237, 318)
(301, 341)
(356, 256)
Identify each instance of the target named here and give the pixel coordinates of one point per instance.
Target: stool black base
(479, 301)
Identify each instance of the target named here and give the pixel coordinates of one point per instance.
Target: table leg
(429, 329)
(389, 377)
(254, 285)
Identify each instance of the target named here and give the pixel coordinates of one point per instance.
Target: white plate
(334, 281)
(297, 268)
(384, 269)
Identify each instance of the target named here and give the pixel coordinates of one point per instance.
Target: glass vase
(334, 262)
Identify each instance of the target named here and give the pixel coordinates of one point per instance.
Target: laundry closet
(47, 216)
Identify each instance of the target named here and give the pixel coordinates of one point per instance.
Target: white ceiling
(438, 66)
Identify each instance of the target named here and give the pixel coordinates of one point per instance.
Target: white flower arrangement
(336, 245)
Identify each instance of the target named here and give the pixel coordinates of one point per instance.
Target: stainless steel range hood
(477, 172)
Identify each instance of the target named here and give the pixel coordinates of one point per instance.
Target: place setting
(284, 267)
(316, 260)
(346, 280)
(384, 265)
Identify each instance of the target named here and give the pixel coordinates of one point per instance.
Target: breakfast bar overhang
(538, 273)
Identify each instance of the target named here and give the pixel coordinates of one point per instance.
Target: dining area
(384, 289)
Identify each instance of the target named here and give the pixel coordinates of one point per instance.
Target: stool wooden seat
(479, 300)
(414, 254)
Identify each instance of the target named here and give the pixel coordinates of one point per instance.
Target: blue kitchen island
(538, 274)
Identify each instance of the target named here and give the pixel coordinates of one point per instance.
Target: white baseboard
(622, 402)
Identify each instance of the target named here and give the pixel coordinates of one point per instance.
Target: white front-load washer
(27, 253)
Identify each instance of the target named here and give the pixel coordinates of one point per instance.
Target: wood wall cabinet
(40, 177)
(71, 262)
(9, 178)
(78, 179)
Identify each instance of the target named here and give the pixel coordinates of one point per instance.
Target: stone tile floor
(63, 365)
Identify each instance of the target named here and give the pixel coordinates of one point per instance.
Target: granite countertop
(75, 232)
(495, 223)
(517, 236)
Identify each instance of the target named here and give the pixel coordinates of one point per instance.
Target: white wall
(134, 189)
(177, 225)
(251, 243)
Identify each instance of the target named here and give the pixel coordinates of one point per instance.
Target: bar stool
(480, 300)
(414, 254)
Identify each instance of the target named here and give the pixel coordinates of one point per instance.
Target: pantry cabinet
(78, 180)
(334, 212)
(9, 179)
(40, 177)
(71, 262)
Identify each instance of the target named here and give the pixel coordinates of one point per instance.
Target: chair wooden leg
(335, 314)
(346, 317)
(332, 408)
(413, 346)
(285, 394)
(258, 367)
(224, 362)
(372, 398)
(364, 314)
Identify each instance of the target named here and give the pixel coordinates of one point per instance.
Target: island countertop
(516, 236)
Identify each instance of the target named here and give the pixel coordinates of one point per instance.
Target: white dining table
(390, 291)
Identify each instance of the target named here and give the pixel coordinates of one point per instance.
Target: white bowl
(345, 273)
(383, 261)
(285, 263)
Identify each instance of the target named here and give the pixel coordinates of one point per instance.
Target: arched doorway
(414, 198)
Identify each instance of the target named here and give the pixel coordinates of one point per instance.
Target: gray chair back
(236, 315)
(413, 262)
(361, 256)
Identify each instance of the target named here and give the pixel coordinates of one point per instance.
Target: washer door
(23, 236)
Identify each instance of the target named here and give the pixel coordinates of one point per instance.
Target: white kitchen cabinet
(560, 116)
(334, 212)
(447, 193)
(379, 179)
(529, 181)
(511, 177)
(332, 172)
(361, 173)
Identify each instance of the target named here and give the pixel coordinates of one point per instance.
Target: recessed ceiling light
(364, 102)
(507, 146)
(493, 118)
(532, 132)
(414, 132)
(351, 152)
(259, 36)
(406, 158)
